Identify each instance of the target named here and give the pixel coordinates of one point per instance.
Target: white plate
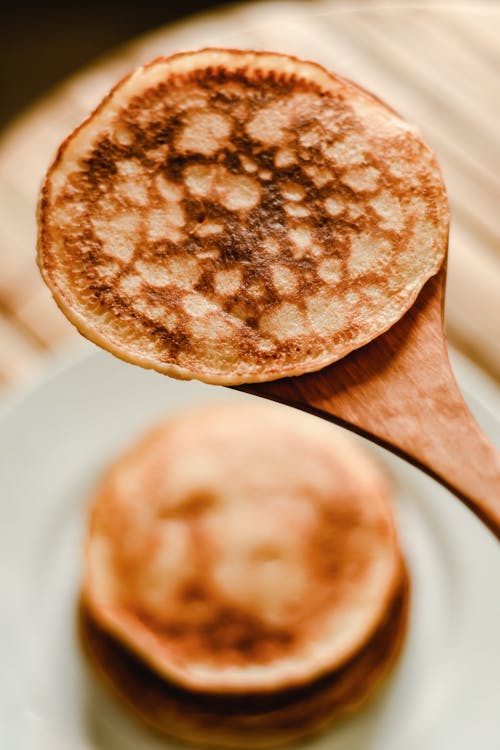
(53, 445)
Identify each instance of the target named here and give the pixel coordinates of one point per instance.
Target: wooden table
(437, 63)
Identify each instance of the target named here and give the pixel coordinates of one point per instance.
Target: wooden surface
(437, 63)
(399, 391)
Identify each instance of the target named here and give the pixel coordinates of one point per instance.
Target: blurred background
(438, 63)
(43, 42)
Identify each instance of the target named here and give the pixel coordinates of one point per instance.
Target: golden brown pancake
(246, 720)
(242, 548)
(239, 216)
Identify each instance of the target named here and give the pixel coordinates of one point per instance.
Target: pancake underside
(238, 217)
(245, 721)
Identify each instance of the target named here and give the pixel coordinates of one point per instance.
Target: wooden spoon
(400, 392)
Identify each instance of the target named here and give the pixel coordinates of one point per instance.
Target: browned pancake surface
(243, 547)
(239, 217)
(247, 720)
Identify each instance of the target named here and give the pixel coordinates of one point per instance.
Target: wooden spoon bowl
(400, 392)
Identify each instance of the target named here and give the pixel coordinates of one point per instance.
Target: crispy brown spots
(195, 504)
(199, 177)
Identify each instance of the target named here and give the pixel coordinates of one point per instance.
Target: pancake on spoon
(239, 217)
(243, 578)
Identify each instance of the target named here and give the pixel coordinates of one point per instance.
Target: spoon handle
(452, 449)
(399, 391)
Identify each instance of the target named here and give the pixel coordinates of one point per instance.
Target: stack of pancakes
(243, 581)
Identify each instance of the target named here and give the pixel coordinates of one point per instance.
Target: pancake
(250, 720)
(242, 548)
(239, 217)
